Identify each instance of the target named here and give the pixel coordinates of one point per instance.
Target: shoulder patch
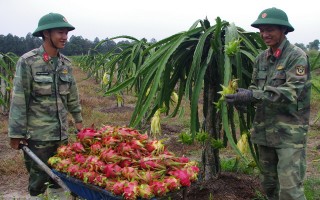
(300, 70)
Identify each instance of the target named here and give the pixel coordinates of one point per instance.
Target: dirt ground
(226, 186)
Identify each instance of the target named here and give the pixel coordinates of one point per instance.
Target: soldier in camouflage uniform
(280, 90)
(44, 92)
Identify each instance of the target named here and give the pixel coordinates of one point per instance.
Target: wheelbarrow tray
(84, 190)
(87, 191)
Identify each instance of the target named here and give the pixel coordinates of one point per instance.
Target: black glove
(241, 96)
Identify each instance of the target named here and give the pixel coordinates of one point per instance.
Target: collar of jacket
(275, 55)
(45, 55)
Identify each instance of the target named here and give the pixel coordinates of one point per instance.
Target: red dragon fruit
(81, 172)
(137, 154)
(112, 170)
(95, 148)
(110, 156)
(80, 158)
(151, 164)
(78, 147)
(110, 183)
(182, 176)
(118, 187)
(73, 170)
(128, 132)
(136, 144)
(130, 190)
(63, 164)
(125, 163)
(129, 173)
(149, 176)
(109, 141)
(182, 159)
(159, 188)
(172, 183)
(88, 177)
(93, 163)
(106, 130)
(155, 147)
(124, 149)
(143, 138)
(192, 172)
(145, 191)
(100, 180)
(88, 136)
(65, 151)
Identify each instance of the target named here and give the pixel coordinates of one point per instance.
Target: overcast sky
(154, 19)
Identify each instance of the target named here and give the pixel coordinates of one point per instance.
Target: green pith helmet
(50, 21)
(273, 16)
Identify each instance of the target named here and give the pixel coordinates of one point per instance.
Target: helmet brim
(37, 32)
(271, 21)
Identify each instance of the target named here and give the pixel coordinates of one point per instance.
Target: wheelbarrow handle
(43, 166)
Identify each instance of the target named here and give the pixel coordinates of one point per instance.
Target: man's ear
(284, 30)
(45, 33)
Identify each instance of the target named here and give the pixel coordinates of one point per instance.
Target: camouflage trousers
(283, 171)
(39, 180)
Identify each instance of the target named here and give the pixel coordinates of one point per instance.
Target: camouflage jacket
(281, 87)
(44, 92)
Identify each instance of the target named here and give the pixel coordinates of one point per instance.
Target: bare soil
(226, 186)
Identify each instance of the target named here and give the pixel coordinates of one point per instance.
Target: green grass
(234, 165)
(312, 188)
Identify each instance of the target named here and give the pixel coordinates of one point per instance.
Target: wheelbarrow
(72, 185)
(76, 187)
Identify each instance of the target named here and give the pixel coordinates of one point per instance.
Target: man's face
(59, 37)
(272, 35)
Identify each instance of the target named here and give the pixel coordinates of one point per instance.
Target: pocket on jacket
(42, 85)
(64, 85)
(261, 79)
(279, 78)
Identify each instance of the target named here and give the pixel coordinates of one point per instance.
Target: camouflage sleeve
(257, 93)
(74, 106)
(20, 100)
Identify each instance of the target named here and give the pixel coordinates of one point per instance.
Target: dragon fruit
(65, 151)
(73, 169)
(125, 162)
(182, 175)
(80, 158)
(172, 183)
(95, 148)
(130, 190)
(112, 170)
(78, 147)
(159, 188)
(54, 160)
(118, 187)
(129, 173)
(145, 191)
(88, 136)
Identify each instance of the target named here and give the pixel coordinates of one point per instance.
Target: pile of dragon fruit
(124, 162)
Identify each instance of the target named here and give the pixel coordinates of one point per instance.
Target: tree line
(77, 45)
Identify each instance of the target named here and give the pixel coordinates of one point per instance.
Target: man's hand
(14, 142)
(241, 96)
